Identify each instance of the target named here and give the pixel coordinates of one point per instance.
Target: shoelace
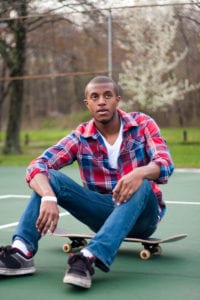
(5, 250)
(82, 260)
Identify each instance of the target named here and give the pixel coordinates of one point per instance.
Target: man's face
(102, 101)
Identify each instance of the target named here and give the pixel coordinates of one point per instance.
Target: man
(122, 158)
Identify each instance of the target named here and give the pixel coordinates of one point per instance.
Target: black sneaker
(80, 271)
(13, 262)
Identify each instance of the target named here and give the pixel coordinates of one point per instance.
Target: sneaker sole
(17, 272)
(77, 281)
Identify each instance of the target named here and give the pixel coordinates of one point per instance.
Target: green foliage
(185, 154)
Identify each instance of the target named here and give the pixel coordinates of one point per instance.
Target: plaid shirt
(142, 143)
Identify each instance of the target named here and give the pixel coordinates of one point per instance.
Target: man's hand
(126, 187)
(131, 182)
(48, 217)
(49, 212)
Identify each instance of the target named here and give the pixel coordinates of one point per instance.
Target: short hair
(104, 79)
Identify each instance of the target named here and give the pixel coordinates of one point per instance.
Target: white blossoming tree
(149, 72)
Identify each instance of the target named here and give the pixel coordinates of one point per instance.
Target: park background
(50, 49)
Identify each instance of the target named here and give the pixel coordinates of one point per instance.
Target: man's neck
(110, 131)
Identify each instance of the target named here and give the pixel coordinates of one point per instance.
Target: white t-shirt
(113, 150)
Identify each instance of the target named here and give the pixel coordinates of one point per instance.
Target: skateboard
(151, 246)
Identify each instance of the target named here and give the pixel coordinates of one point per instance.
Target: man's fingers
(48, 225)
(53, 227)
(116, 191)
(123, 197)
(40, 222)
(122, 192)
(48, 217)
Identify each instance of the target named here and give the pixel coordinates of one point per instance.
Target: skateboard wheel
(145, 254)
(67, 248)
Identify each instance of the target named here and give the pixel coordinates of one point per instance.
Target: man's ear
(118, 99)
(85, 102)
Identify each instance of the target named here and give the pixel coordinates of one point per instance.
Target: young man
(122, 158)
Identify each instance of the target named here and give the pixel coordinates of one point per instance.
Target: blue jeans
(111, 223)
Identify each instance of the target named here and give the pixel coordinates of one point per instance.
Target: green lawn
(185, 154)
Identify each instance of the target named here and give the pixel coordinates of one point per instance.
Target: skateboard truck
(149, 250)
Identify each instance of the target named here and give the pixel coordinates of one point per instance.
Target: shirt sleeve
(158, 151)
(56, 157)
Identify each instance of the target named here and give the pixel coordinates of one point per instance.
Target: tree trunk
(12, 142)
(16, 89)
(3, 93)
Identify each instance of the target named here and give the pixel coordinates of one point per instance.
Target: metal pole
(110, 44)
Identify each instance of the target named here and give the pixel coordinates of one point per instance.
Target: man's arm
(37, 176)
(159, 168)
(49, 212)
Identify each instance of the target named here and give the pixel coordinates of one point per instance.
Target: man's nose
(102, 100)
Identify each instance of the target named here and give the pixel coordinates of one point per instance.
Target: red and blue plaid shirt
(142, 143)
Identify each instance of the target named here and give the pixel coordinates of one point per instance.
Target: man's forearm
(150, 171)
(40, 184)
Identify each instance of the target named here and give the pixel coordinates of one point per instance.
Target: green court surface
(173, 275)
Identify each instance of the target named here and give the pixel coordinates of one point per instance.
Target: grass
(39, 140)
(185, 154)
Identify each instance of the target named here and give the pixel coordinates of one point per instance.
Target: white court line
(187, 170)
(67, 213)
(8, 225)
(13, 196)
(16, 223)
(182, 202)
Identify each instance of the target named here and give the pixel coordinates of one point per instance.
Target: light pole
(110, 43)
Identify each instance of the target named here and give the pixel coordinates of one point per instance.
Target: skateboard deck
(150, 245)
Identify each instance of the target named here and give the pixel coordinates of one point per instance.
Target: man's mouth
(102, 111)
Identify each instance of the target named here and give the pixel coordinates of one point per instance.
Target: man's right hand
(48, 217)
(49, 212)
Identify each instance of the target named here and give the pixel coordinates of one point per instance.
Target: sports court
(174, 275)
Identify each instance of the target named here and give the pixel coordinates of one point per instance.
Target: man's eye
(108, 96)
(94, 97)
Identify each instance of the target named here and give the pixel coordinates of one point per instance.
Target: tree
(15, 16)
(188, 35)
(12, 49)
(149, 73)
(3, 92)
